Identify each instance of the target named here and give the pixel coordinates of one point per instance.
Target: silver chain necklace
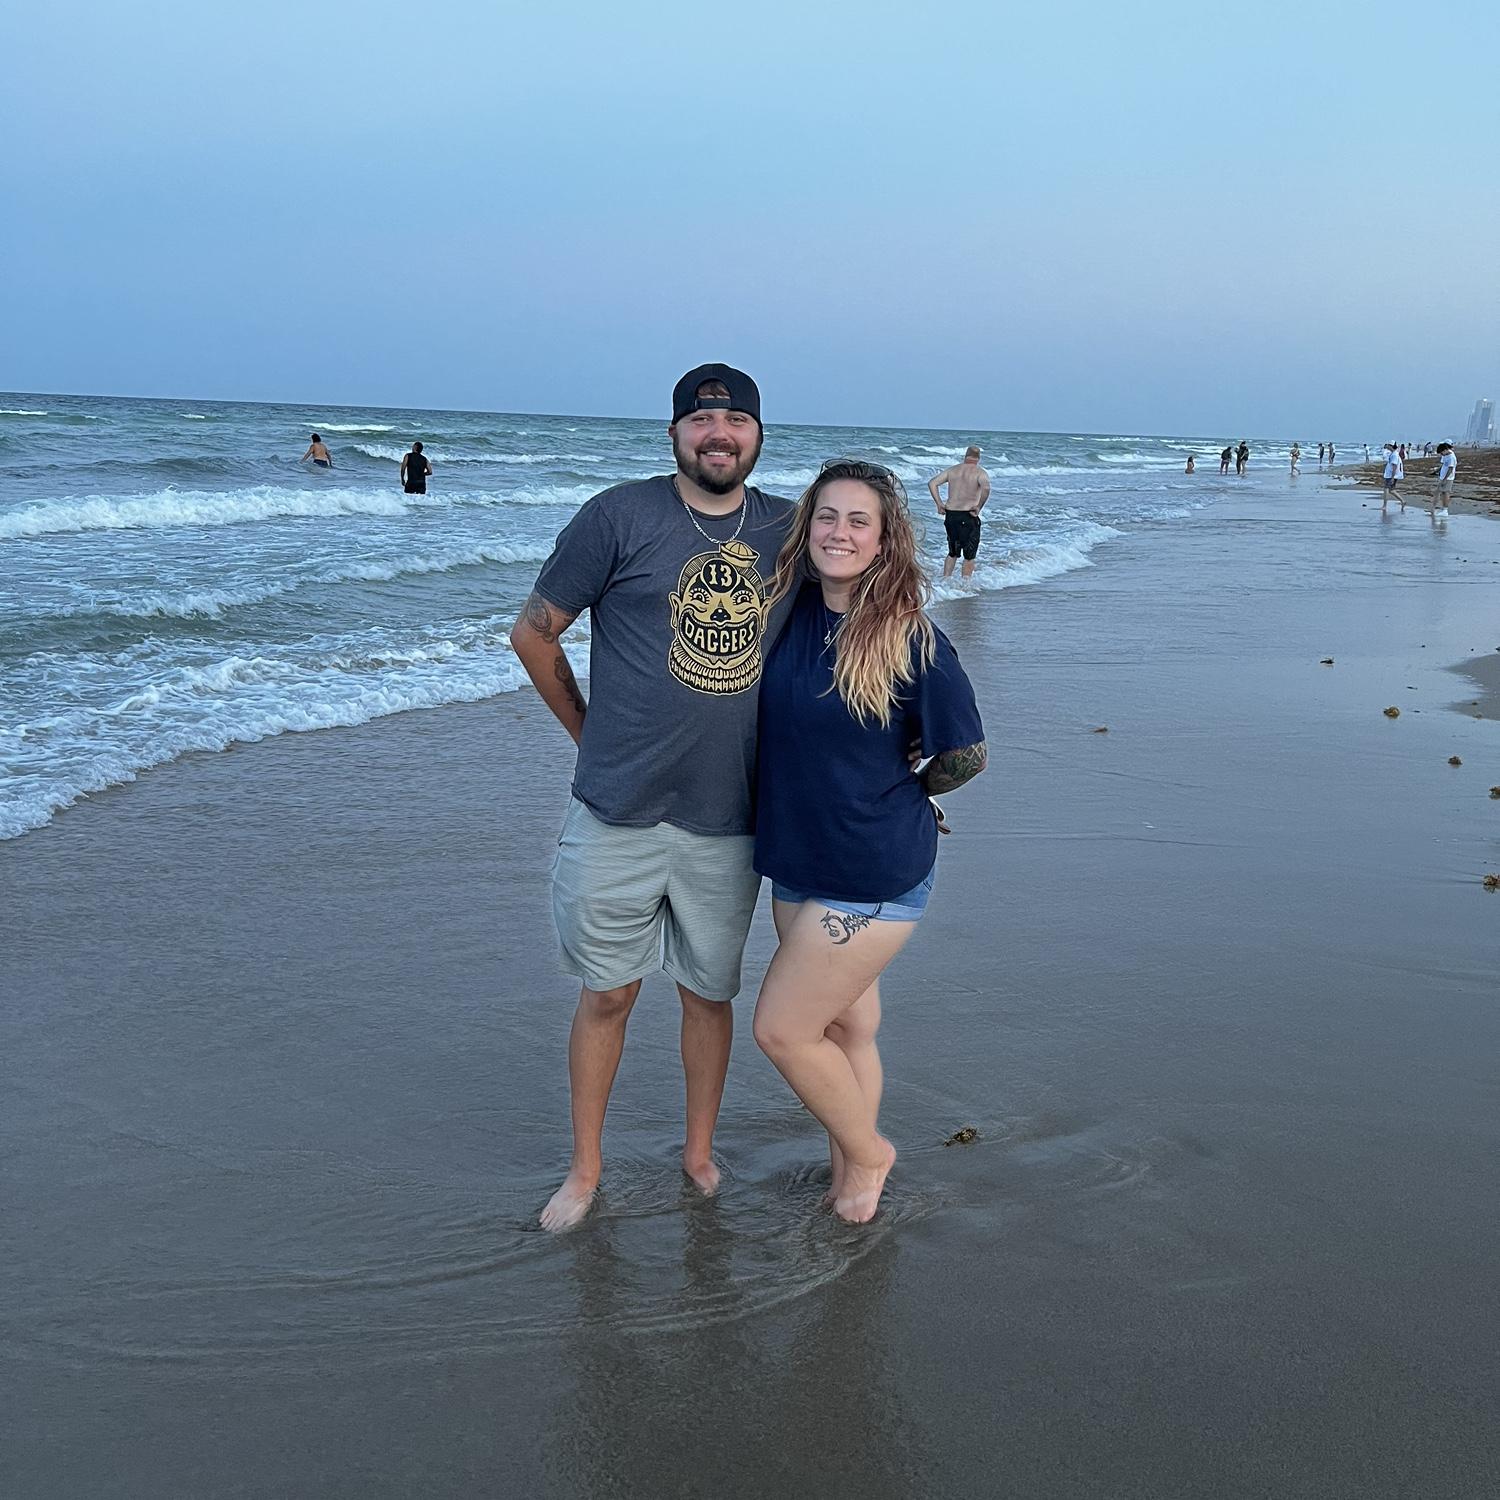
(835, 624)
(739, 525)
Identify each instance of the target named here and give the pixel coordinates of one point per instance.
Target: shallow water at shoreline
(1216, 988)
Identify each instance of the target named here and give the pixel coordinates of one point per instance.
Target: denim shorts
(907, 907)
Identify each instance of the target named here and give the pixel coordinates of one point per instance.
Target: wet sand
(1217, 989)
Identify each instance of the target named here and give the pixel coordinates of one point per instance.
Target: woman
(844, 828)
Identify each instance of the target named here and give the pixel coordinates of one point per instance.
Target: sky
(1277, 218)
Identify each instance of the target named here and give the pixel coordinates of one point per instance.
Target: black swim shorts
(962, 527)
(418, 487)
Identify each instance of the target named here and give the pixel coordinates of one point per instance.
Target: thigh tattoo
(842, 925)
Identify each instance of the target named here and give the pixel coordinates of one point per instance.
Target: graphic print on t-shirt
(718, 619)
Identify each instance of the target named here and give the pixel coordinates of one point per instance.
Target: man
(414, 471)
(1242, 457)
(968, 489)
(1395, 472)
(317, 450)
(1447, 470)
(1224, 458)
(654, 865)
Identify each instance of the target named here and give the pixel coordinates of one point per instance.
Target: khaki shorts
(629, 901)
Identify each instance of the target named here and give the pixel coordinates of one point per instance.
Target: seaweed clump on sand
(962, 1137)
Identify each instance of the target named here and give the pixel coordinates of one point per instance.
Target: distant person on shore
(1330, 455)
(414, 471)
(1402, 451)
(1192, 463)
(968, 489)
(1320, 455)
(1296, 457)
(317, 450)
(844, 829)
(655, 869)
(1395, 472)
(1224, 458)
(1367, 453)
(1242, 457)
(1446, 473)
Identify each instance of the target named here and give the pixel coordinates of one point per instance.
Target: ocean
(176, 580)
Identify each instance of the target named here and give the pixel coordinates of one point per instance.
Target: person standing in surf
(655, 865)
(968, 489)
(845, 829)
(317, 450)
(414, 471)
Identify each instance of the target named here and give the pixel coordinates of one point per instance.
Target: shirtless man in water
(968, 489)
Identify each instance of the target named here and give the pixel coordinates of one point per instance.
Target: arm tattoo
(954, 767)
(563, 671)
(549, 623)
(842, 925)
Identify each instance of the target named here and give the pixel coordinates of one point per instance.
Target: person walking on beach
(1296, 458)
(654, 868)
(1224, 458)
(1320, 454)
(414, 471)
(968, 489)
(1395, 472)
(317, 450)
(844, 828)
(1242, 457)
(1446, 473)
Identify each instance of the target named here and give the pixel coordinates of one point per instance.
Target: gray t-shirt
(679, 632)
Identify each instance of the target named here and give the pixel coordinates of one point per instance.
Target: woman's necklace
(739, 525)
(835, 623)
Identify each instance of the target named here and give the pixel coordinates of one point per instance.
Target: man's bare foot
(570, 1203)
(704, 1174)
(860, 1194)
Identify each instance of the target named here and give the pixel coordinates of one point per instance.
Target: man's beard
(723, 482)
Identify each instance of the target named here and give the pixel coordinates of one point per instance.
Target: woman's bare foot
(703, 1174)
(859, 1196)
(570, 1203)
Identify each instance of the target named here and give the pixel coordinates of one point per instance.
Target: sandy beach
(1216, 988)
(1476, 490)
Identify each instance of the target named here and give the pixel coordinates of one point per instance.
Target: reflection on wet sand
(805, 1404)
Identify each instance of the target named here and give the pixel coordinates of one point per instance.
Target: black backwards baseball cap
(744, 394)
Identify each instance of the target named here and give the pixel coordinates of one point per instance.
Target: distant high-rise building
(1481, 428)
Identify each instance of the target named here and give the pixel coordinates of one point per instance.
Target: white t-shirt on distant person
(1394, 469)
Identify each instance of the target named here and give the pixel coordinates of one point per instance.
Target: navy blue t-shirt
(839, 812)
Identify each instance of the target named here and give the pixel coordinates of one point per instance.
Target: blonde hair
(886, 616)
